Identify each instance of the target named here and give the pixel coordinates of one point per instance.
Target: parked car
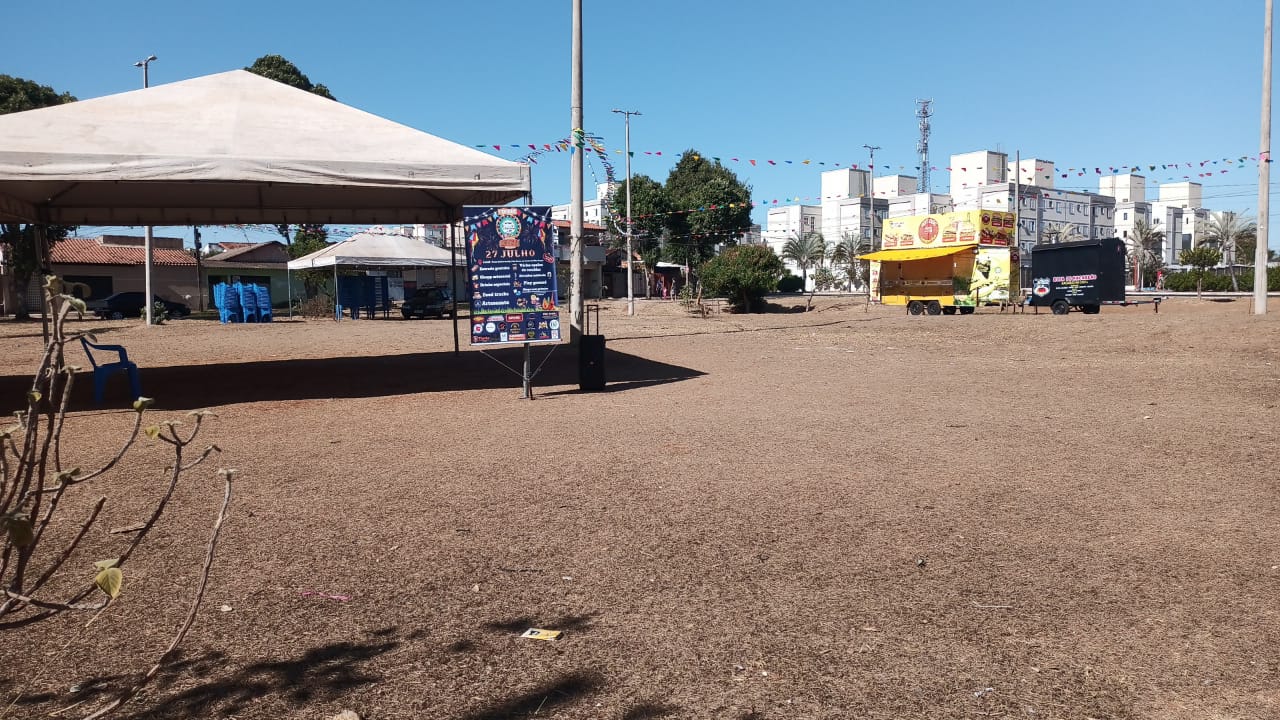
(130, 304)
(429, 302)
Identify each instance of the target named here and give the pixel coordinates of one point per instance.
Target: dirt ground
(836, 514)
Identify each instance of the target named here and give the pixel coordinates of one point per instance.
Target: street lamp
(631, 298)
(147, 240)
(143, 64)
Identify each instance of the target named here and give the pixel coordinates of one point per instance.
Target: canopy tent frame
(235, 148)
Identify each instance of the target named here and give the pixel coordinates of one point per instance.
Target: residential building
(116, 263)
(594, 211)
(258, 263)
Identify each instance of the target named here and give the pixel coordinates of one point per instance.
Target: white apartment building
(846, 209)
(593, 211)
(1177, 213)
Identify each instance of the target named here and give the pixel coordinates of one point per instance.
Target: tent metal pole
(453, 283)
(337, 297)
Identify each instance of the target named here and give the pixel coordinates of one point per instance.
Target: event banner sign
(511, 275)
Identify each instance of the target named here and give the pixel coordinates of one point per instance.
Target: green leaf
(104, 564)
(109, 580)
(19, 528)
(142, 403)
(152, 431)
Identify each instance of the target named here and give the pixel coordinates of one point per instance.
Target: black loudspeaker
(591, 363)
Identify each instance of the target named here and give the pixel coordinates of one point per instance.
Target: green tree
(275, 67)
(1228, 231)
(306, 240)
(17, 95)
(1201, 258)
(1062, 232)
(806, 250)
(845, 255)
(743, 274)
(652, 211)
(720, 208)
(19, 241)
(1144, 248)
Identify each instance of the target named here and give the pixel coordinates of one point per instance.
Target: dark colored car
(129, 304)
(429, 302)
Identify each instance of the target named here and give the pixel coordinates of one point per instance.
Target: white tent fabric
(372, 250)
(236, 148)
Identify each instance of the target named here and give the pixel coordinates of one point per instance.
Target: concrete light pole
(577, 145)
(147, 241)
(871, 206)
(1260, 255)
(631, 297)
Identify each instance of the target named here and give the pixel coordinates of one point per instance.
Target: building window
(1126, 216)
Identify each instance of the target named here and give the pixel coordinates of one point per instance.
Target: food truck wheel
(949, 310)
(915, 307)
(1090, 309)
(934, 307)
(967, 310)
(1060, 307)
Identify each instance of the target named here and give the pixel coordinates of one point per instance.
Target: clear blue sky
(1084, 84)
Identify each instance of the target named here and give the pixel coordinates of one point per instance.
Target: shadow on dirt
(318, 675)
(549, 696)
(216, 384)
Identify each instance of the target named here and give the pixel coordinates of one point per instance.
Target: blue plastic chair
(103, 371)
(263, 294)
(230, 308)
(248, 302)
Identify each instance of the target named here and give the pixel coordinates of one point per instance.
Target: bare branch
(196, 601)
(97, 507)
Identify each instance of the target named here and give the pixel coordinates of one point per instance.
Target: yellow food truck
(946, 262)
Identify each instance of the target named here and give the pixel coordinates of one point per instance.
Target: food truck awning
(915, 253)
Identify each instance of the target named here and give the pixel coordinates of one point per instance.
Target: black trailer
(1084, 275)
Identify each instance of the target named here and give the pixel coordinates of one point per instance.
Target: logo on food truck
(1040, 287)
(928, 230)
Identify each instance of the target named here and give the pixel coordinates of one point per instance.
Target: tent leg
(453, 283)
(288, 281)
(337, 298)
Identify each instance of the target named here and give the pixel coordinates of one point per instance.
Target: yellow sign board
(963, 227)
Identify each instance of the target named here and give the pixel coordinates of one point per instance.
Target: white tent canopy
(374, 250)
(236, 148)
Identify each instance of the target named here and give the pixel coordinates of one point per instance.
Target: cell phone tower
(924, 112)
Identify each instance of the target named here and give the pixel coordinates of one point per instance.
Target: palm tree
(1227, 231)
(806, 251)
(845, 254)
(1144, 244)
(1063, 232)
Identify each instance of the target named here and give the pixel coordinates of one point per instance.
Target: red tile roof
(79, 251)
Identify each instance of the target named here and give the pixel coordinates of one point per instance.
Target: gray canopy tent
(235, 148)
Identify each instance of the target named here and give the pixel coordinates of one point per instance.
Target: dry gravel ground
(835, 514)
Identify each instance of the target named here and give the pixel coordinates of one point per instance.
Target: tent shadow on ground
(192, 387)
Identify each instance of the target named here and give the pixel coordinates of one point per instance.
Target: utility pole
(147, 240)
(1260, 254)
(871, 208)
(631, 298)
(195, 229)
(576, 147)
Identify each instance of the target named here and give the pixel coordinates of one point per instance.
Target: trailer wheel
(1060, 307)
(915, 307)
(1090, 309)
(967, 310)
(934, 307)
(949, 310)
